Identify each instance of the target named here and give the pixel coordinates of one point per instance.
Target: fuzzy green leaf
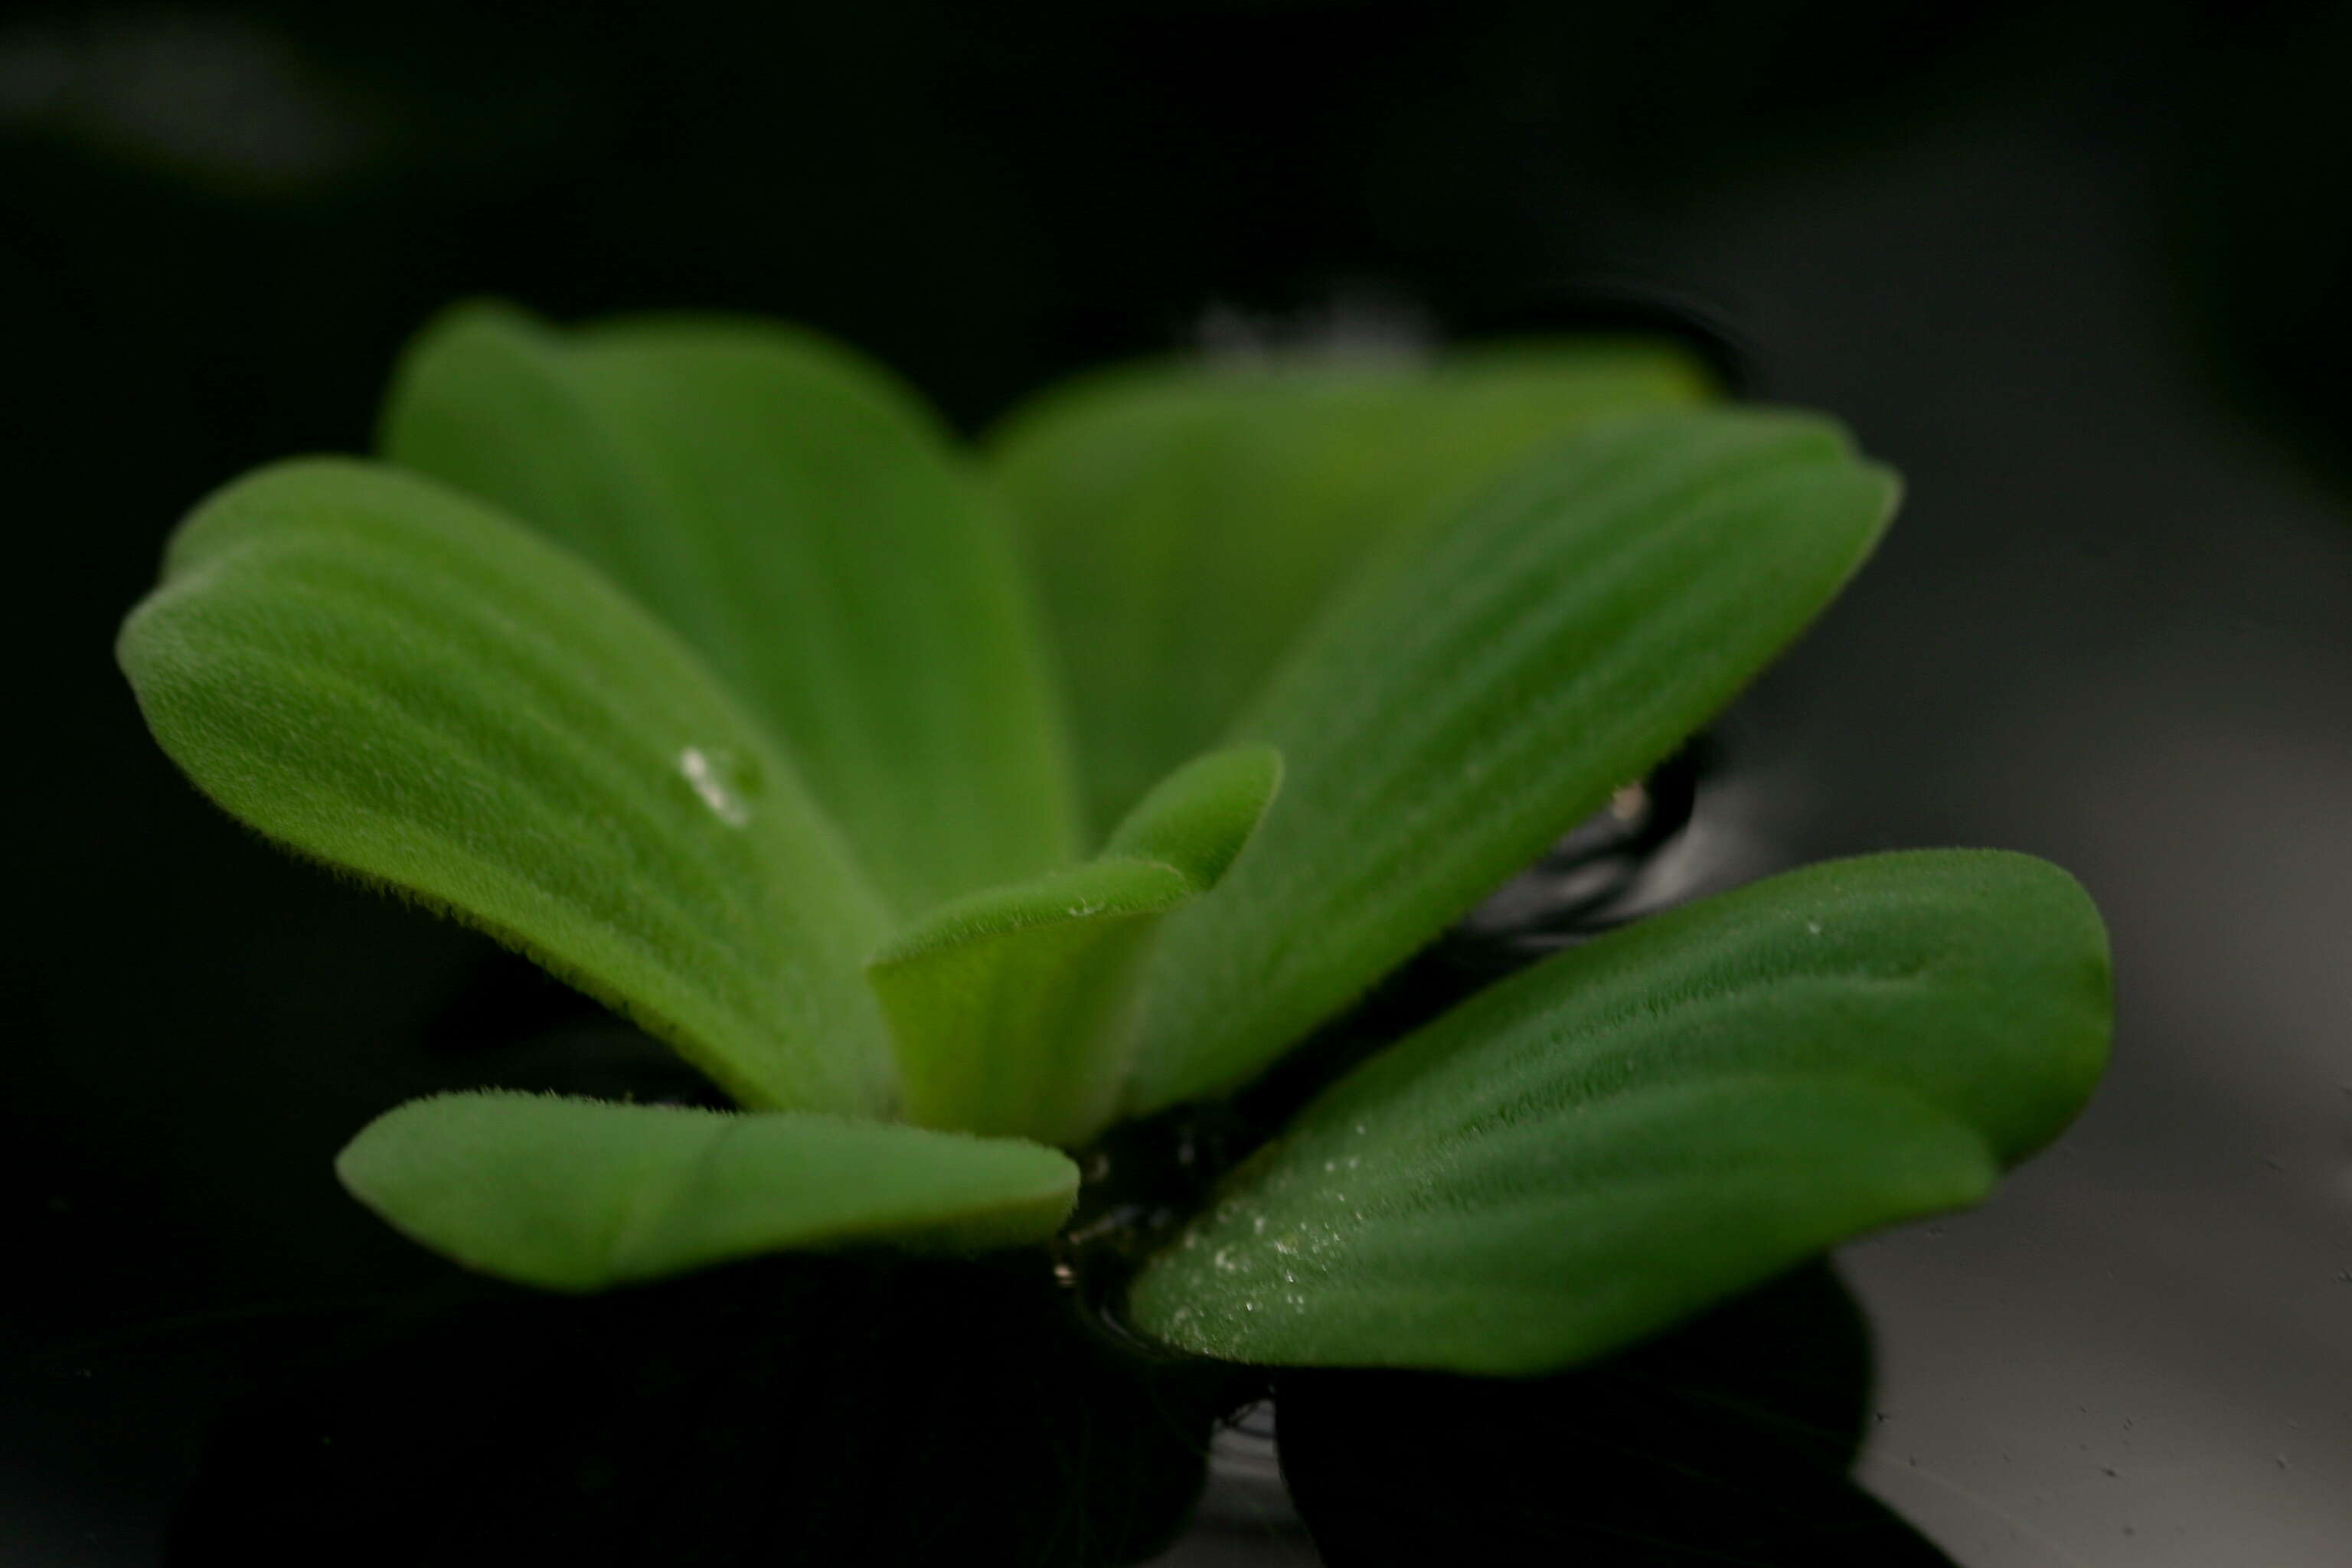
(1484, 685)
(581, 1195)
(1199, 818)
(388, 676)
(803, 521)
(1651, 1123)
(1012, 1009)
(1183, 523)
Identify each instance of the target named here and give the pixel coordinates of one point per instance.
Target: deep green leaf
(389, 676)
(802, 521)
(1643, 1125)
(1484, 685)
(582, 1194)
(1183, 523)
(1012, 1009)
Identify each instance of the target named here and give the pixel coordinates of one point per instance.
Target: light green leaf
(1012, 1009)
(580, 1194)
(796, 516)
(1182, 522)
(1651, 1123)
(385, 674)
(1481, 688)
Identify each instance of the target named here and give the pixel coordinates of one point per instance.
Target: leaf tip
(1200, 818)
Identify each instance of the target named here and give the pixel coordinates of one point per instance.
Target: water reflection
(1725, 1441)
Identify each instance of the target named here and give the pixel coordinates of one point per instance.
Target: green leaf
(1183, 523)
(582, 1194)
(1012, 1009)
(385, 674)
(1482, 688)
(1639, 1126)
(1200, 817)
(797, 517)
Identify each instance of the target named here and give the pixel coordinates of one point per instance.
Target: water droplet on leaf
(724, 781)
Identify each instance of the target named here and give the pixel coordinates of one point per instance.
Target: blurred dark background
(2080, 272)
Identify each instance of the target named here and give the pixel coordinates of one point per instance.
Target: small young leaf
(1646, 1124)
(582, 1194)
(385, 674)
(1481, 688)
(1200, 817)
(1012, 1009)
(802, 521)
(1183, 523)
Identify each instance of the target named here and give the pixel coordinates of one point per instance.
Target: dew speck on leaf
(716, 778)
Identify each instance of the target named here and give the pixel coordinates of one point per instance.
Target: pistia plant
(945, 807)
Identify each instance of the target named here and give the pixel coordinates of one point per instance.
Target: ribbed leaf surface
(581, 1195)
(1183, 523)
(389, 676)
(1641, 1126)
(802, 521)
(1485, 684)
